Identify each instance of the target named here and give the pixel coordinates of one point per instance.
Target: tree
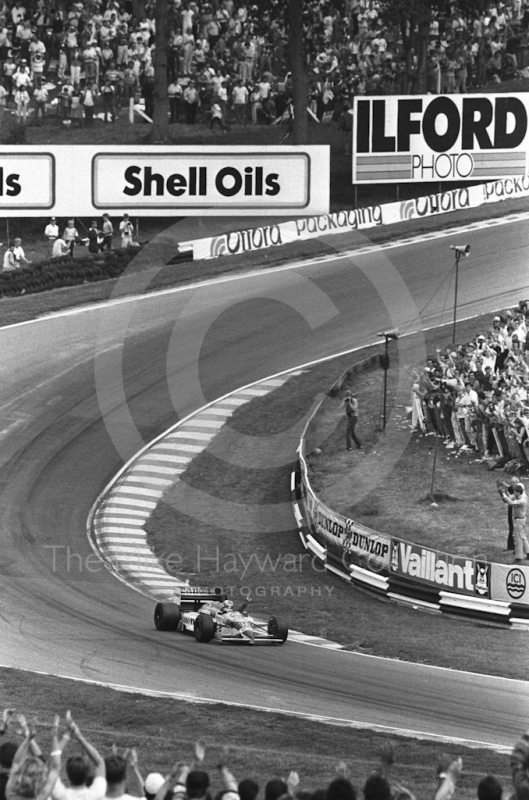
(300, 130)
(160, 127)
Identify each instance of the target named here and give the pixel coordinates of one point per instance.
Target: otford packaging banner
(446, 572)
(286, 232)
(400, 139)
(86, 180)
(510, 583)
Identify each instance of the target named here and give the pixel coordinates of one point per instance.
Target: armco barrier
(393, 568)
(345, 221)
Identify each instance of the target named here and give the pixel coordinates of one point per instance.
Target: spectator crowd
(476, 395)
(28, 773)
(228, 60)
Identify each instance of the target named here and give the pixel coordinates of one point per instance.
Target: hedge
(66, 271)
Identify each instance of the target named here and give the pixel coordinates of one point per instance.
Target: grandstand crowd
(228, 60)
(27, 772)
(475, 395)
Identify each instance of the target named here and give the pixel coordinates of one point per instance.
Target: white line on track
(190, 698)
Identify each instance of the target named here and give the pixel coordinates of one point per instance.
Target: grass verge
(260, 745)
(243, 537)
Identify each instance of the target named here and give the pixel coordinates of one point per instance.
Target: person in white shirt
(240, 101)
(18, 252)
(126, 229)
(80, 770)
(60, 248)
(10, 263)
(51, 232)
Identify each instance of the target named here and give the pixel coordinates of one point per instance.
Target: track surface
(64, 615)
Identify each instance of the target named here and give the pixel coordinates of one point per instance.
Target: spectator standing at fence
(351, 410)
(71, 235)
(126, 229)
(509, 490)
(22, 99)
(18, 252)
(51, 232)
(240, 102)
(94, 238)
(519, 504)
(88, 101)
(40, 96)
(9, 263)
(191, 103)
(108, 233)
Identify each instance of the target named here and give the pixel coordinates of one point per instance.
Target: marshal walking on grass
(351, 409)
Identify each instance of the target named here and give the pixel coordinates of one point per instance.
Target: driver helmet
(227, 605)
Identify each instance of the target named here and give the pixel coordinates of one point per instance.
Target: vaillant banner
(440, 138)
(88, 180)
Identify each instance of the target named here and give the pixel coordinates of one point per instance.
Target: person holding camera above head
(351, 410)
(519, 508)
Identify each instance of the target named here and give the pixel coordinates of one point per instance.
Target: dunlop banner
(355, 540)
(450, 573)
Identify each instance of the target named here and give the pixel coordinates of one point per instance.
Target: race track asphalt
(81, 392)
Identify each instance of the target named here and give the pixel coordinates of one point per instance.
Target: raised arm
(95, 757)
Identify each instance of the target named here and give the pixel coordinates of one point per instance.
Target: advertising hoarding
(152, 180)
(400, 139)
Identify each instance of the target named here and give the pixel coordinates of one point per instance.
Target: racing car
(209, 615)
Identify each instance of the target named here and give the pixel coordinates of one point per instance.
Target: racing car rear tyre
(167, 616)
(204, 628)
(278, 628)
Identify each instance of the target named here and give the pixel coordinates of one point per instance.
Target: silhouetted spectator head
(197, 784)
(377, 788)
(275, 788)
(248, 789)
(7, 754)
(116, 769)
(78, 770)
(319, 794)
(341, 789)
(489, 788)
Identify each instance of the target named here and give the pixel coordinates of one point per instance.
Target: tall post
(436, 412)
(386, 365)
(458, 255)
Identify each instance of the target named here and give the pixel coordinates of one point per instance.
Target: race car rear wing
(191, 597)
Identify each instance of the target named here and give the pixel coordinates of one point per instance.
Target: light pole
(459, 250)
(384, 362)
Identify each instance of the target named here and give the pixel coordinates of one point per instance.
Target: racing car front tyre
(278, 628)
(166, 616)
(204, 628)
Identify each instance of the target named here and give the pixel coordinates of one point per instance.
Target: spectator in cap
(519, 504)
(153, 782)
(51, 232)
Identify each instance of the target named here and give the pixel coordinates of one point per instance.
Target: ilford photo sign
(87, 180)
(435, 138)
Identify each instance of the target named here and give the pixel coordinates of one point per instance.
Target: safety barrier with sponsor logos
(400, 570)
(301, 229)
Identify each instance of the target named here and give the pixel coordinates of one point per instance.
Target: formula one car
(209, 615)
